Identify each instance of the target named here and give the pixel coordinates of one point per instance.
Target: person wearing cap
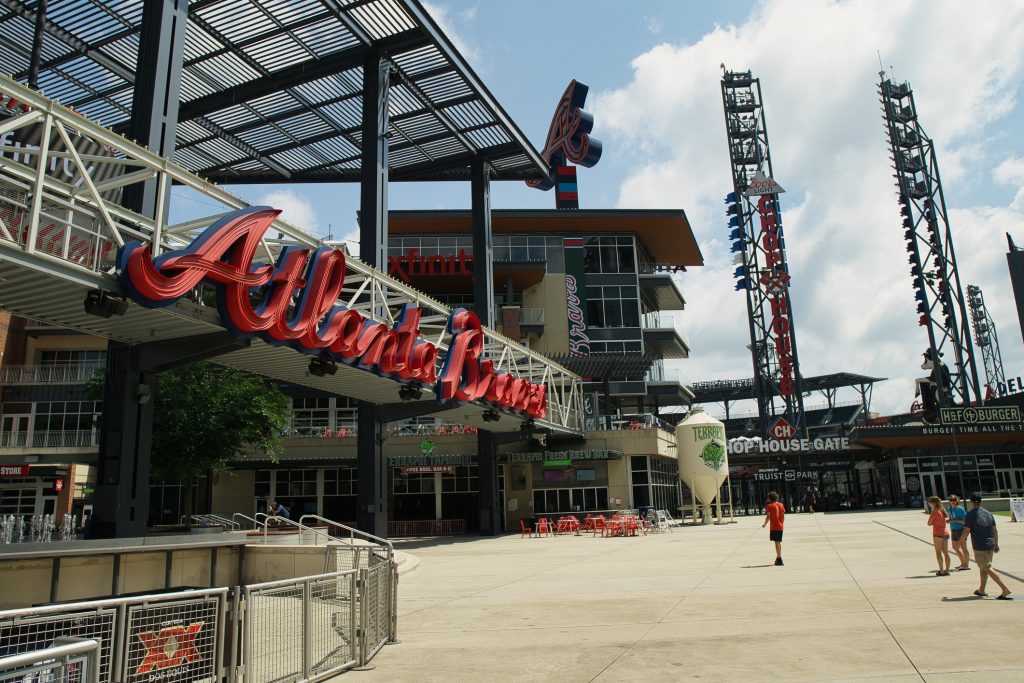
(980, 527)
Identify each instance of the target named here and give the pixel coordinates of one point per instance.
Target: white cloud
(1010, 172)
(294, 209)
(852, 296)
(446, 20)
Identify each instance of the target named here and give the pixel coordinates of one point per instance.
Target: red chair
(523, 529)
(600, 524)
(543, 528)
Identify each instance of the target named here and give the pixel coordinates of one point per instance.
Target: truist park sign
(294, 303)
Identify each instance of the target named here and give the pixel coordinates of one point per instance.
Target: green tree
(204, 415)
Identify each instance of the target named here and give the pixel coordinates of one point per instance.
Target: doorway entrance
(14, 431)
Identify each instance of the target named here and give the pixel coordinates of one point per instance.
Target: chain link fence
(307, 628)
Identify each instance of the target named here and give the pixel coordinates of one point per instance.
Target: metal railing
(302, 629)
(68, 660)
(76, 230)
(383, 543)
(49, 374)
(82, 438)
(303, 530)
(179, 636)
(209, 519)
(427, 527)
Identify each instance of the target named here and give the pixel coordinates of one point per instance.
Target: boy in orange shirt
(776, 515)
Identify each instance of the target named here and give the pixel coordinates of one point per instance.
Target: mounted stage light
(410, 392)
(734, 222)
(737, 233)
(730, 198)
(491, 415)
(527, 426)
(732, 209)
(99, 303)
(319, 367)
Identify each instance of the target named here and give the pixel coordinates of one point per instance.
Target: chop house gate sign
(224, 254)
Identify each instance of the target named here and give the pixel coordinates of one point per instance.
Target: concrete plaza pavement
(857, 600)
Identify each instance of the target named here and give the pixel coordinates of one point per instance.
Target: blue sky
(653, 69)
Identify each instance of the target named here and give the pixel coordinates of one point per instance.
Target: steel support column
(122, 489)
(37, 45)
(487, 473)
(483, 244)
(371, 492)
(154, 119)
(373, 200)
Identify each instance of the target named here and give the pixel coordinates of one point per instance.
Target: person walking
(956, 531)
(980, 527)
(940, 538)
(809, 500)
(775, 514)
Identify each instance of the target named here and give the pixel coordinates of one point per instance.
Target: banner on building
(576, 297)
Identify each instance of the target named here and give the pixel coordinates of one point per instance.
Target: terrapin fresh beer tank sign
(223, 255)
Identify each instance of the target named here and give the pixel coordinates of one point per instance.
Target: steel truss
(929, 242)
(761, 256)
(988, 341)
(71, 231)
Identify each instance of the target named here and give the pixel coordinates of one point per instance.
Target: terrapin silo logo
(713, 455)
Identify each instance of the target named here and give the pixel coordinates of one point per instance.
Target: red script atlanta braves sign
(224, 256)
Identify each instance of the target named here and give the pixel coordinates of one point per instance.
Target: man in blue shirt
(956, 530)
(980, 526)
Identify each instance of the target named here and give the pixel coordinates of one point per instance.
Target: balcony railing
(653, 321)
(394, 429)
(49, 374)
(50, 439)
(631, 422)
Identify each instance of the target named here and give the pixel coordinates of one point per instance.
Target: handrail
(301, 527)
(64, 651)
(220, 519)
(352, 532)
(255, 522)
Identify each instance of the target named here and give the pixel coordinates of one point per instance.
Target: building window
(610, 254)
(616, 347)
(613, 306)
(66, 416)
(311, 416)
(294, 483)
(73, 357)
(549, 501)
(340, 482)
(464, 480)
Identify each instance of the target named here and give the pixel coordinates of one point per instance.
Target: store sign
(298, 309)
(979, 415)
(576, 296)
(413, 263)
(427, 469)
(569, 134)
(762, 184)
(775, 282)
(13, 471)
(1013, 385)
(741, 446)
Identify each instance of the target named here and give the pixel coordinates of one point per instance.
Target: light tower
(929, 244)
(987, 340)
(760, 248)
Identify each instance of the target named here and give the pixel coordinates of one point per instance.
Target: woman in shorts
(940, 537)
(956, 529)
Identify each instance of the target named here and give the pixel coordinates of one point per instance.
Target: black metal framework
(273, 93)
(763, 265)
(929, 242)
(988, 341)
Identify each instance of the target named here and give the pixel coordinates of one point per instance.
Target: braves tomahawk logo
(569, 135)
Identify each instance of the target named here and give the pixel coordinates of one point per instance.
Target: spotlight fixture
(491, 415)
(410, 392)
(527, 426)
(99, 303)
(319, 367)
